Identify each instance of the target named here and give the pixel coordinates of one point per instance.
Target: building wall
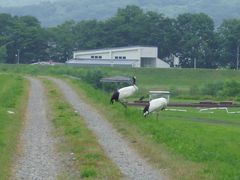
(148, 62)
(143, 54)
(85, 55)
(161, 64)
(176, 61)
(110, 54)
(149, 52)
(128, 54)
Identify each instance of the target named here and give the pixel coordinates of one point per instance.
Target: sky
(14, 3)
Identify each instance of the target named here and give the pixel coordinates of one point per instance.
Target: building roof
(115, 48)
(117, 79)
(103, 62)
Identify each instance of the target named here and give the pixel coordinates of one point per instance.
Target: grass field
(90, 161)
(13, 96)
(188, 145)
(191, 145)
(146, 77)
(179, 81)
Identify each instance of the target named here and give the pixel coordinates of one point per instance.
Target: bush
(194, 91)
(174, 91)
(212, 89)
(93, 77)
(221, 89)
(231, 88)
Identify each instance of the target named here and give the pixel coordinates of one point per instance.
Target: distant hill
(53, 12)
(17, 3)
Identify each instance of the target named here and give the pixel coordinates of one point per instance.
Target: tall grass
(13, 93)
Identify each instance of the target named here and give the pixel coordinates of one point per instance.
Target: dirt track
(128, 161)
(38, 159)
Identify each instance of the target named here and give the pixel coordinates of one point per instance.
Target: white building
(176, 61)
(133, 56)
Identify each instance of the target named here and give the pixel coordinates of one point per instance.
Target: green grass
(193, 145)
(188, 84)
(13, 93)
(89, 160)
(183, 83)
(216, 145)
(188, 145)
(146, 77)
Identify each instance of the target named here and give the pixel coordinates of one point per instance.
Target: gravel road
(128, 161)
(37, 160)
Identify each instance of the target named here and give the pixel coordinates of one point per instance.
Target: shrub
(174, 91)
(213, 88)
(221, 89)
(231, 88)
(93, 77)
(194, 91)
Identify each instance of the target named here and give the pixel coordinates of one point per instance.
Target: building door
(148, 62)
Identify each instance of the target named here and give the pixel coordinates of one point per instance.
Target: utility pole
(237, 55)
(195, 63)
(194, 59)
(18, 58)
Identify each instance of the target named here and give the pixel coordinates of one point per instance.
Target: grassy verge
(189, 145)
(87, 159)
(13, 97)
(147, 78)
(192, 145)
(184, 84)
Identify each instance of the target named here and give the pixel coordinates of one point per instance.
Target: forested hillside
(53, 12)
(189, 36)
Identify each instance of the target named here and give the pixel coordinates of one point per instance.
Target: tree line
(54, 12)
(188, 36)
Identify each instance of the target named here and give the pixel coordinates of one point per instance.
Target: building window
(96, 57)
(92, 57)
(100, 57)
(120, 57)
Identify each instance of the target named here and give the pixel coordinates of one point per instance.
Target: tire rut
(38, 159)
(128, 161)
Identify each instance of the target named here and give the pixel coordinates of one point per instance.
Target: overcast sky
(14, 3)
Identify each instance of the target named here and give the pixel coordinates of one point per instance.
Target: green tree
(22, 36)
(61, 41)
(3, 54)
(90, 34)
(229, 34)
(131, 26)
(197, 40)
(160, 32)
